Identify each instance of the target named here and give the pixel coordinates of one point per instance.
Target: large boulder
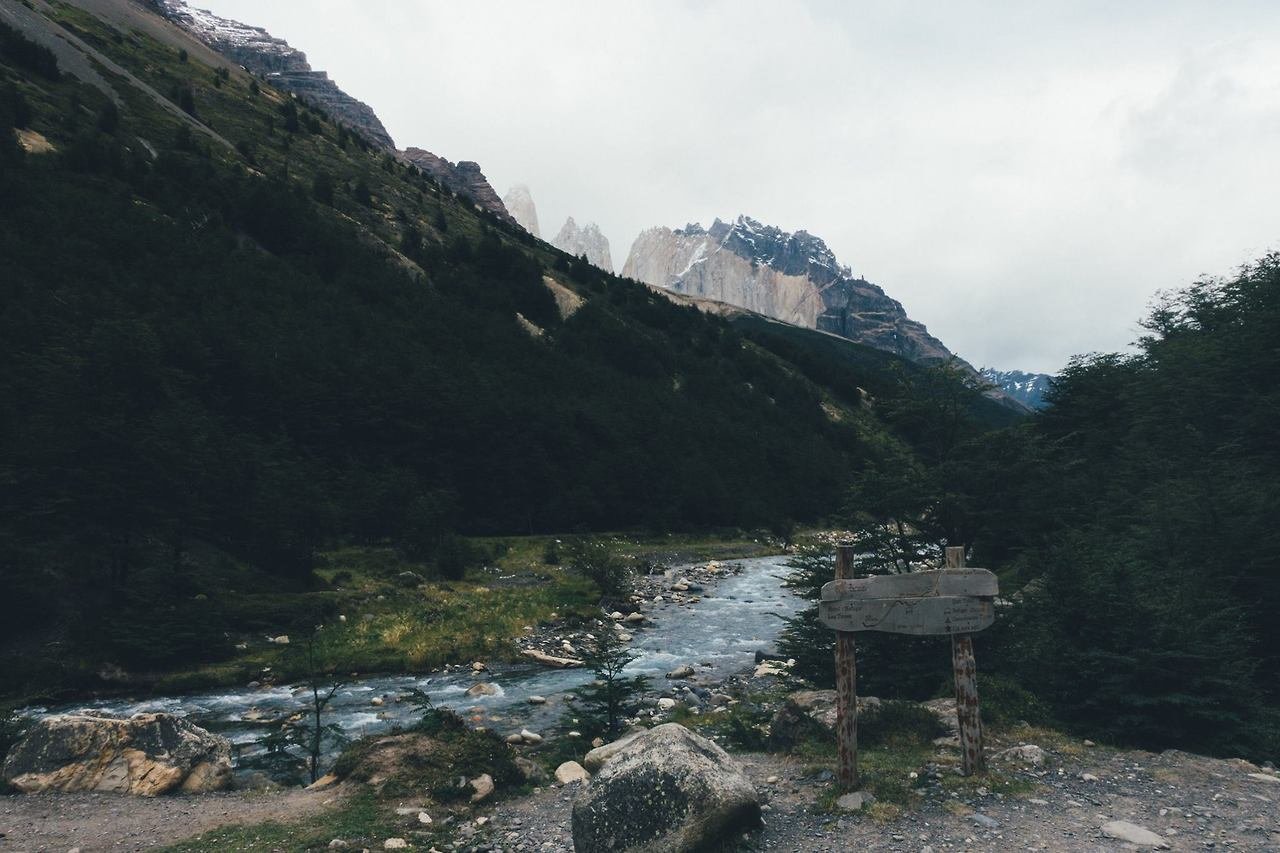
(667, 790)
(145, 755)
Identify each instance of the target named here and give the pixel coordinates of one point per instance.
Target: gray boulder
(667, 790)
(145, 755)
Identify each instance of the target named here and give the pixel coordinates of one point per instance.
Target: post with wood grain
(846, 687)
(966, 674)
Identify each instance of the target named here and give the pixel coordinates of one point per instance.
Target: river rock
(482, 786)
(482, 688)
(635, 618)
(571, 771)
(530, 770)
(1122, 830)
(666, 790)
(666, 703)
(145, 755)
(683, 671)
(537, 700)
(531, 738)
(1027, 755)
(855, 801)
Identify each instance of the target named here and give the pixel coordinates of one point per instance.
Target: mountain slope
(285, 67)
(230, 330)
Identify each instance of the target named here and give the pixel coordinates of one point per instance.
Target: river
(737, 616)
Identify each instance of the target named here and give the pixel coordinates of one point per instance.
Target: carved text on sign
(923, 616)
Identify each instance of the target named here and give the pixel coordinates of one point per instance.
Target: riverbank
(395, 617)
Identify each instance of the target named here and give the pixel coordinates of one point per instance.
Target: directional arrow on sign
(976, 582)
(921, 616)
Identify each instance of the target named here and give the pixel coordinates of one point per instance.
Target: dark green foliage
(1149, 539)
(361, 193)
(322, 188)
(896, 723)
(599, 563)
(17, 49)
(15, 110)
(184, 97)
(289, 109)
(603, 704)
(194, 353)
(253, 88)
(551, 553)
(109, 117)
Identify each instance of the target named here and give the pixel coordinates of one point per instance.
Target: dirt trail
(91, 822)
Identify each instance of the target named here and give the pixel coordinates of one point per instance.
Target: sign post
(966, 675)
(846, 687)
(954, 602)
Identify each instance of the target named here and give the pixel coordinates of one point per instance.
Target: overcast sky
(1022, 176)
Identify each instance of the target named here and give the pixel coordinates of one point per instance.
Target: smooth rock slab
(1122, 830)
(145, 755)
(666, 791)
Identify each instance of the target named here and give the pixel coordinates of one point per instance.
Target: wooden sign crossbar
(974, 582)
(953, 602)
(940, 615)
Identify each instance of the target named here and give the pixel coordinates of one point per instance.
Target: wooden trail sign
(973, 582)
(922, 617)
(956, 601)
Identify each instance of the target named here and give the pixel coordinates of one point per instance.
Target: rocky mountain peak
(519, 203)
(284, 66)
(584, 240)
(464, 178)
(793, 277)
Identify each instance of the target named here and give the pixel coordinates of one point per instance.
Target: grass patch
(361, 820)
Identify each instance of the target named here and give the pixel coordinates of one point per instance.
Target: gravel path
(61, 822)
(1194, 803)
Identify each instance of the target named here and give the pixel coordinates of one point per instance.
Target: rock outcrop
(519, 203)
(791, 277)
(668, 790)
(584, 240)
(463, 178)
(145, 755)
(283, 66)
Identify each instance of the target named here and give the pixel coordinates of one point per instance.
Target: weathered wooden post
(955, 601)
(966, 675)
(846, 687)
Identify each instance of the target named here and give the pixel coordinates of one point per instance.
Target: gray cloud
(1022, 176)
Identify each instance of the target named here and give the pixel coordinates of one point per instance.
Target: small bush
(898, 723)
(1004, 702)
(598, 563)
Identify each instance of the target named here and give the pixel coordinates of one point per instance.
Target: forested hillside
(233, 326)
(1133, 523)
